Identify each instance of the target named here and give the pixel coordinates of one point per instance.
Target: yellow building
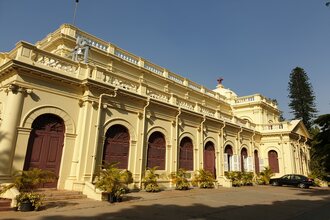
(73, 100)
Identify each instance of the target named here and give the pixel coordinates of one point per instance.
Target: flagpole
(75, 10)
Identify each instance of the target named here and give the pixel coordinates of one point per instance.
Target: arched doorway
(45, 145)
(256, 162)
(228, 158)
(273, 161)
(209, 157)
(156, 151)
(116, 146)
(244, 156)
(186, 160)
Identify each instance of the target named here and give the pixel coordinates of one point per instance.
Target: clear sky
(252, 44)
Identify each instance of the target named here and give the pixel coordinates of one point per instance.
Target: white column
(8, 130)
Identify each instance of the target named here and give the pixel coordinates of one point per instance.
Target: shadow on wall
(290, 209)
(5, 156)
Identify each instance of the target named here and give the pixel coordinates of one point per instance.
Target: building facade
(72, 100)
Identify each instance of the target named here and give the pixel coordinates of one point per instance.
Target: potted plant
(26, 182)
(29, 201)
(113, 181)
(126, 177)
(180, 179)
(247, 178)
(235, 177)
(203, 179)
(265, 175)
(150, 180)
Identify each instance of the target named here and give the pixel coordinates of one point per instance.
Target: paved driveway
(256, 202)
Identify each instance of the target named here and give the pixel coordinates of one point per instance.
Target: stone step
(5, 205)
(64, 197)
(55, 195)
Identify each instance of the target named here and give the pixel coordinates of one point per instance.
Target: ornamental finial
(220, 80)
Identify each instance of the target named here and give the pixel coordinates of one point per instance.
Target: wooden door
(273, 161)
(186, 160)
(116, 146)
(156, 151)
(45, 145)
(256, 162)
(209, 158)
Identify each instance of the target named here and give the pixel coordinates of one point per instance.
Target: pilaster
(8, 131)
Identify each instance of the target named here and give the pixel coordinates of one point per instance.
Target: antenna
(75, 10)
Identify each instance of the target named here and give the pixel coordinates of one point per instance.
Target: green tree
(302, 99)
(320, 152)
(281, 117)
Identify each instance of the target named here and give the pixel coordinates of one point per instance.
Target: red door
(156, 151)
(256, 161)
(209, 158)
(186, 160)
(116, 146)
(45, 145)
(273, 161)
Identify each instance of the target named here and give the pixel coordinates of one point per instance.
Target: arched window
(273, 161)
(256, 162)
(228, 158)
(186, 160)
(116, 146)
(156, 151)
(244, 156)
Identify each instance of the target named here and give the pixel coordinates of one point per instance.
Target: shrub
(26, 181)
(263, 177)
(203, 179)
(247, 178)
(180, 180)
(239, 178)
(113, 180)
(235, 177)
(29, 180)
(150, 180)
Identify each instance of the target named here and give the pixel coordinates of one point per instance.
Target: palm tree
(266, 174)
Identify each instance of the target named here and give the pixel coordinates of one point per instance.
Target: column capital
(18, 89)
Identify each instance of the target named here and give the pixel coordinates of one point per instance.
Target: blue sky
(252, 44)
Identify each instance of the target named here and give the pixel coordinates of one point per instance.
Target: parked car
(292, 180)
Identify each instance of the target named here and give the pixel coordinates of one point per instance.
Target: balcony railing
(56, 62)
(94, 42)
(245, 99)
(153, 68)
(275, 126)
(112, 49)
(31, 54)
(255, 98)
(125, 56)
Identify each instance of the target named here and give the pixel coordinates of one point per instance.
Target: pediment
(300, 129)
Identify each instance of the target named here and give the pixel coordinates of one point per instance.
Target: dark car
(293, 180)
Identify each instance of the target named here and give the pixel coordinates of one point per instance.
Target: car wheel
(275, 183)
(301, 185)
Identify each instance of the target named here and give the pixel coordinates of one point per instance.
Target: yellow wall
(138, 98)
